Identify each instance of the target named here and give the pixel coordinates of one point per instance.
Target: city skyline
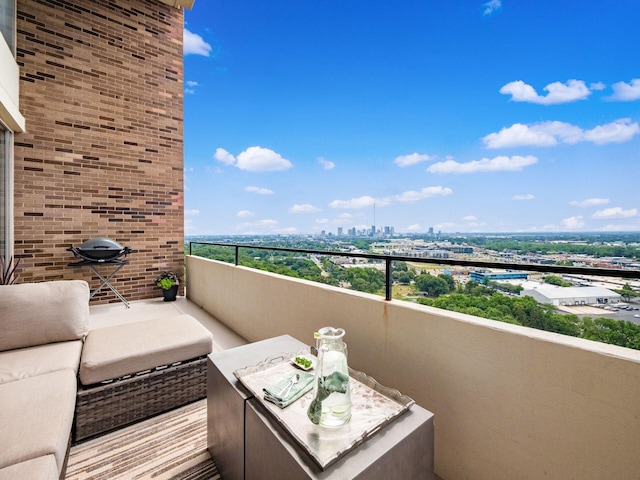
(462, 116)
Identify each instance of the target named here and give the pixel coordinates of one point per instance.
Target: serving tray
(372, 407)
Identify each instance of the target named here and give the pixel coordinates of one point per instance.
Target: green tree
(368, 280)
(555, 280)
(627, 293)
(615, 332)
(450, 281)
(432, 286)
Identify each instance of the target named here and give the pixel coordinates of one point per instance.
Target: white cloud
(470, 218)
(572, 223)
(491, 6)
(304, 208)
(244, 214)
(267, 222)
(192, 212)
(628, 227)
(347, 217)
(408, 196)
(546, 134)
(354, 203)
(557, 92)
(322, 221)
(225, 157)
(287, 231)
(589, 202)
(597, 86)
(523, 197)
(326, 164)
(413, 228)
(193, 44)
(407, 160)
(616, 212)
(254, 159)
(615, 132)
(444, 226)
(191, 86)
(258, 159)
(259, 190)
(497, 164)
(416, 196)
(626, 92)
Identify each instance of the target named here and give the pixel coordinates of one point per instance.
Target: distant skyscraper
(339, 231)
(431, 231)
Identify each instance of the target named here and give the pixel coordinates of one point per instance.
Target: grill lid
(100, 250)
(100, 244)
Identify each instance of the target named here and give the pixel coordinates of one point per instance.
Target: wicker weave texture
(102, 408)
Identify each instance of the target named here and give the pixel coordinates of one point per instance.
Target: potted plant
(168, 282)
(8, 273)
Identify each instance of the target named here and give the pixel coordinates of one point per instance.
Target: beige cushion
(41, 468)
(38, 313)
(32, 361)
(113, 352)
(36, 417)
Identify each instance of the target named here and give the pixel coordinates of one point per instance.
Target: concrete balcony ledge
(509, 401)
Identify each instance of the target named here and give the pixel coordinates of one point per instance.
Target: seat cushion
(41, 468)
(39, 313)
(32, 361)
(36, 417)
(113, 352)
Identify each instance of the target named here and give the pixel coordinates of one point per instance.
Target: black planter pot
(170, 294)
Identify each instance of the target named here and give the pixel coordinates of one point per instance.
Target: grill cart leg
(106, 281)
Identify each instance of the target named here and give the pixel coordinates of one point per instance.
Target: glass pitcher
(331, 404)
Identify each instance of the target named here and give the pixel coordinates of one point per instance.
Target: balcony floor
(116, 314)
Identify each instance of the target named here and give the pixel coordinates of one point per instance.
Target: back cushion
(40, 313)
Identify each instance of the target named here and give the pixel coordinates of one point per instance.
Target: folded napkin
(284, 393)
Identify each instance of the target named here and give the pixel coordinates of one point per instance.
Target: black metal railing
(388, 259)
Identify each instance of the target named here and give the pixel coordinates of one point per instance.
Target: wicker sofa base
(108, 406)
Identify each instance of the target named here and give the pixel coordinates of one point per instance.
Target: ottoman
(134, 371)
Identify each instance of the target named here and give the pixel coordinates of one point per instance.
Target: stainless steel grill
(102, 251)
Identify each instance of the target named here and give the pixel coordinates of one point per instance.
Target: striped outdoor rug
(172, 446)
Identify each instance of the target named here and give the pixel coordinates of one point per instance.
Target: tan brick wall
(101, 88)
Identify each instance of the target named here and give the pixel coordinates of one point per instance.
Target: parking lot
(623, 311)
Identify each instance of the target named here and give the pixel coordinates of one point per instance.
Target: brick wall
(101, 88)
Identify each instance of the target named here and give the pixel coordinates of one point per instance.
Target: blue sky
(464, 116)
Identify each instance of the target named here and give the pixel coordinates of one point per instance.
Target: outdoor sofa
(62, 382)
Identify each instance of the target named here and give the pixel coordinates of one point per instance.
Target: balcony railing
(389, 259)
(509, 401)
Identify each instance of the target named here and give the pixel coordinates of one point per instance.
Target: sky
(303, 116)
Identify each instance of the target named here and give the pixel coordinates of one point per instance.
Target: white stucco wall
(9, 93)
(509, 402)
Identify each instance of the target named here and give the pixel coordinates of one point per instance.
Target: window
(7, 22)
(6, 228)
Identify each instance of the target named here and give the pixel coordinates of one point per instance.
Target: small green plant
(8, 273)
(166, 280)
